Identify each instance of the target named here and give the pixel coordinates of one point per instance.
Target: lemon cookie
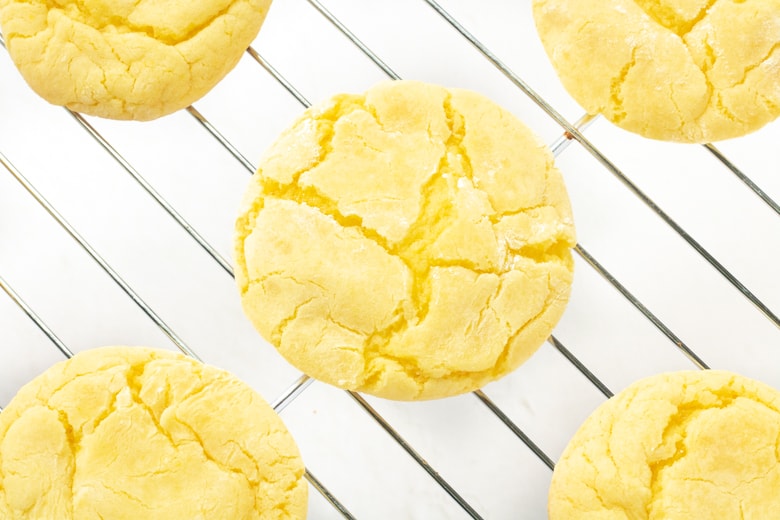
(138, 59)
(412, 242)
(677, 70)
(691, 445)
(131, 433)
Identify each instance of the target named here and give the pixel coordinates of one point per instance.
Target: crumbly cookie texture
(412, 243)
(701, 445)
(678, 70)
(127, 59)
(132, 432)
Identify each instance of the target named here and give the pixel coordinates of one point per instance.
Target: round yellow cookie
(131, 433)
(692, 445)
(412, 242)
(691, 71)
(118, 59)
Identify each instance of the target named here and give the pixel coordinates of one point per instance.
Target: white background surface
(341, 444)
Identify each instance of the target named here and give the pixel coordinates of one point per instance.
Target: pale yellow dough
(701, 445)
(128, 59)
(135, 433)
(412, 242)
(678, 70)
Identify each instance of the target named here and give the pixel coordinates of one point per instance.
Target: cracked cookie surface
(132, 432)
(678, 70)
(412, 242)
(683, 445)
(127, 59)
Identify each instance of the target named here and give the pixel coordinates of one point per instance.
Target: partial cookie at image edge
(689, 444)
(126, 61)
(681, 72)
(125, 432)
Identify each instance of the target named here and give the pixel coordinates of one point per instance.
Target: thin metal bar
(151, 191)
(580, 366)
(314, 481)
(35, 318)
(96, 257)
(278, 77)
(154, 193)
(221, 138)
(292, 393)
(515, 429)
(416, 456)
(354, 39)
(595, 152)
(601, 270)
(563, 142)
(148, 187)
(744, 178)
(211, 250)
(690, 354)
(586, 120)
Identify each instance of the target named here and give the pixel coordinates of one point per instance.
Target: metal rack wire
(572, 133)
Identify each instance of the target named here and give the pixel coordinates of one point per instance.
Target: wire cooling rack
(680, 269)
